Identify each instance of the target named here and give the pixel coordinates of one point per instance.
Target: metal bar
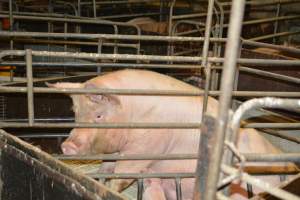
(276, 23)
(178, 189)
(251, 157)
(140, 189)
(197, 92)
(272, 46)
(281, 135)
(282, 194)
(71, 20)
(231, 53)
(108, 36)
(267, 102)
(207, 32)
(92, 56)
(270, 75)
(94, 8)
(29, 87)
(141, 176)
(294, 125)
(275, 35)
(206, 145)
(104, 125)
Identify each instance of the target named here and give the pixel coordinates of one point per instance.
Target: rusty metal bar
(206, 144)
(29, 87)
(231, 53)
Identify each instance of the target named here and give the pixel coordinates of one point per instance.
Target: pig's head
(90, 108)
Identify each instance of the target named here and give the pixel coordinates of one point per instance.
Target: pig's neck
(119, 141)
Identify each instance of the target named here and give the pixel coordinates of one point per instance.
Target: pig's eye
(99, 116)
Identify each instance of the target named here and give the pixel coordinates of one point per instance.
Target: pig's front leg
(107, 167)
(127, 167)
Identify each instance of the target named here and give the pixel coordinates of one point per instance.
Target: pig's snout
(69, 148)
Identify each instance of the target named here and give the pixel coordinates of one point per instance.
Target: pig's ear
(102, 98)
(64, 85)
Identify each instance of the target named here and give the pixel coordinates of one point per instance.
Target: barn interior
(53, 41)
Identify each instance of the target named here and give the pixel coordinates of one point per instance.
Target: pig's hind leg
(153, 190)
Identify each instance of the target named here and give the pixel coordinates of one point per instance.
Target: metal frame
(207, 62)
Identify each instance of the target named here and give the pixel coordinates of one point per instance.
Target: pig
(97, 108)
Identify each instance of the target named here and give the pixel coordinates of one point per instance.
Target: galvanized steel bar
(30, 100)
(231, 53)
(293, 125)
(275, 35)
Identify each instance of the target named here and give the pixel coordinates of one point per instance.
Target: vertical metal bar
(178, 189)
(100, 43)
(140, 189)
(231, 54)
(170, 27)
(65, 46)
(276, 22)
(11, 42)
(94, 9)
(249, 190)
(207, 32)
(79, 15)
(205, 53)
(29, 87)
(204, 155)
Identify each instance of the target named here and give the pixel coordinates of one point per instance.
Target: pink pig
(121, 108)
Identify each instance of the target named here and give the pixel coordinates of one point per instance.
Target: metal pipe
(231, 53)
(250, 157)
(276, 23)
(267, 102)
(274, 35)
(178, 189)
(270, 75)
(140, 189)
(272, 46)
(141, 176)
(92, 56)
(29, 87)
(8, 89)
(280, 193)
(104, 125)
(108, 36)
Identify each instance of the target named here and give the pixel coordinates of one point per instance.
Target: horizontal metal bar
(260, 184)
(9, 89)
(251, 157)
(104, 125)
(271, 75)
(294, 125)
(123, 65)
(43, 135)
(108, 36)
(93, 56)
(284, 157)
(272, 46)
(274, 35)
(140, 176)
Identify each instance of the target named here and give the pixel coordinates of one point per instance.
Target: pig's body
(147, 141)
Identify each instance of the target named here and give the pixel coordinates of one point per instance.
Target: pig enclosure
(195, 41)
